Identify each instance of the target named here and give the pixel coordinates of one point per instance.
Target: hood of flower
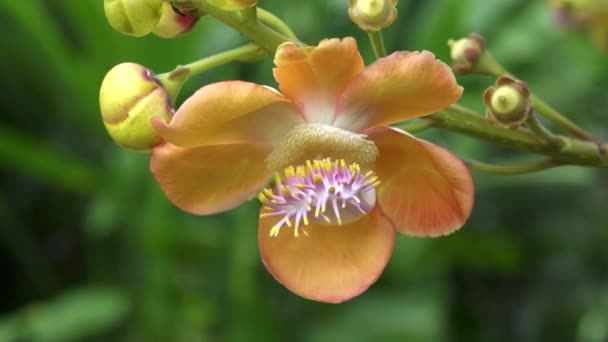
(316, 141)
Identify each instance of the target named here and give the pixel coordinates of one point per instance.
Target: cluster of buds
(372, 15)
(508, 102)
(141, 17)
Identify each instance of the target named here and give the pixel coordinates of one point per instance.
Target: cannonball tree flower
(344, 181)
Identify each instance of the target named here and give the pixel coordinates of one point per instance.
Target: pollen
(326, 191)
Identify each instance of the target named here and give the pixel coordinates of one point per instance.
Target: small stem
(258, 32)
(276, 24)
(377, 43)
(542, 132)
(554, 116)
(515, 169)
(249, 15)
(488, 65)
(174, 80)
(418, 126)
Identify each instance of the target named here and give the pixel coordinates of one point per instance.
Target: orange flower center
(324, 191)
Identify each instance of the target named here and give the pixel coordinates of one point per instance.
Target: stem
(573, 151)
(554, 116)
(249, 15)
(515, 169)
(174, 80)
(418, 126)
(258, 32)
(488, 65)
(276, 24)
(377, 43)
(542, 132)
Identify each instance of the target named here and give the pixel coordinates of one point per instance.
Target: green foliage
(92, 249)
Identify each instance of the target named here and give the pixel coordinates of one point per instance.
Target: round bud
(133, 17)
(129, 98)
(372, 15)
(173, 24)
(508, 103)
(232, 5)
(466, 52)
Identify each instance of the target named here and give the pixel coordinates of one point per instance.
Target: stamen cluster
(330, 191)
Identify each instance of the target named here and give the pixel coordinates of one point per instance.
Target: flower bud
(232, 5)
(372, 15)
(466, 52)
(129, 97)
(133, 17)
(508, 103)
(173, 24)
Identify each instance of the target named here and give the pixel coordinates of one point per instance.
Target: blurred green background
(91, 250)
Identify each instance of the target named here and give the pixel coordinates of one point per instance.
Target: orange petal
(209, 179)
(314, 77)
(425, 190)
(331, 263)
(401, 86)
(230, 112)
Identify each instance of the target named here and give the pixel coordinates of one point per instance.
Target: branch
(573, 151)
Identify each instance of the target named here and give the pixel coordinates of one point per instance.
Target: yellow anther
(305, 218)
(331, 190)
(275, 202)
(268, 193)
(318, 179)
(262, 198)
(301, 171)
(290, 171)
(288, 223)
(275, 230)
(356, 198)
(296, 232)
(277, 178)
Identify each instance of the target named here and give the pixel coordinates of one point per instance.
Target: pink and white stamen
(323, 191)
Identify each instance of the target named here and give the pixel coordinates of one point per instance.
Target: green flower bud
(232, 5)
(466, 52)
(508, 103)
(129, 97)
(133, 17)
(173, 24)
(372, 15)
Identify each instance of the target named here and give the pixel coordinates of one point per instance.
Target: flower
(344, 180)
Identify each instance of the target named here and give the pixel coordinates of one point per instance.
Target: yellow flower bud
(129, 97)
(372, 15)
(232, 5)
(466, 52)
(508, 103)
(173, 24)
(133, 17)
